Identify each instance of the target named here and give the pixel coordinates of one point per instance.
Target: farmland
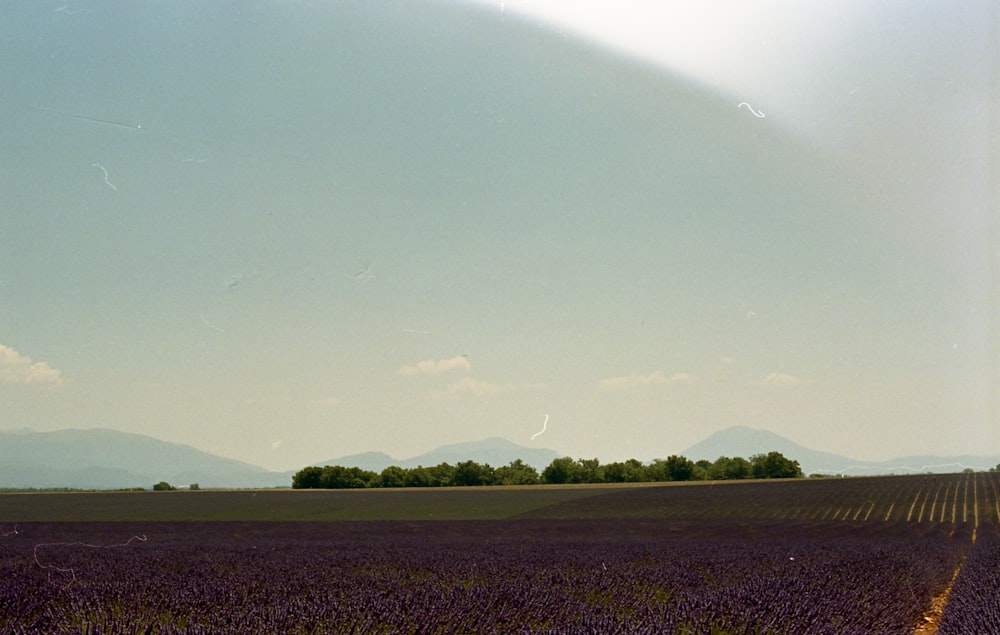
(867, 555)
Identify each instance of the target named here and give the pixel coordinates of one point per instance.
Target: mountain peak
(745, 442)
(744, 436)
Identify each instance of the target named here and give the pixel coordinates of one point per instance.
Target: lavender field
(667, 572)
(974, 603)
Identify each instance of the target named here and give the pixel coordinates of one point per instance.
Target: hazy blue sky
(288, 231)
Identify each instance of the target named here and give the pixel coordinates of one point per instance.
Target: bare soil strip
(975, 508)
(931, 620)
(909, 514)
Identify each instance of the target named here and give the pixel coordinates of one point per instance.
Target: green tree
(657, 471)
(701, 470)
(392, 476)
(774, 465)
(588, 471)
(307, 478)
(340, 477)
(631, 471)
(517, 472)
(559, 471)
(418, 476)
(472, 473)
(725, 468)
(679, 468)
(441, 474)
(333, 477)
(163, 486)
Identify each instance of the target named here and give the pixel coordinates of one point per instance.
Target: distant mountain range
(495, 451)
(109, 459)
(745, 442)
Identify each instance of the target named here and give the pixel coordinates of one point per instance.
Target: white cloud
(655, 378)
(435, 366)
(682, 378)
(479, 388)
(16, 368)
(784, 379)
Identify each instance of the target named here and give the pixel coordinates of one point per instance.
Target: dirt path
(928, 624)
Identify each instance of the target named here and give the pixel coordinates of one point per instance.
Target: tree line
(560, 471)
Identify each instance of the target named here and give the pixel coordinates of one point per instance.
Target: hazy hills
(745, 442)
(495, 451)
(108, 459)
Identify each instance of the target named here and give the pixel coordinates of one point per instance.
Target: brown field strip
(466, 503)
(955, 498)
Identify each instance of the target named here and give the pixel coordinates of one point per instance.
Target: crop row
(949, 498)
(544, 576)
(974, 603)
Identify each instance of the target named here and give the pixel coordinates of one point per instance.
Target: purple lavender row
(488, 577)
(974, 603)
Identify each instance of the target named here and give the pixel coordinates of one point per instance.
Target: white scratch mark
(364, 274)
(544, 426)
(105, 170)
(210, 325)
(756, 113)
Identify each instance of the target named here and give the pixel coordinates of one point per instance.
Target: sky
(284, 232)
